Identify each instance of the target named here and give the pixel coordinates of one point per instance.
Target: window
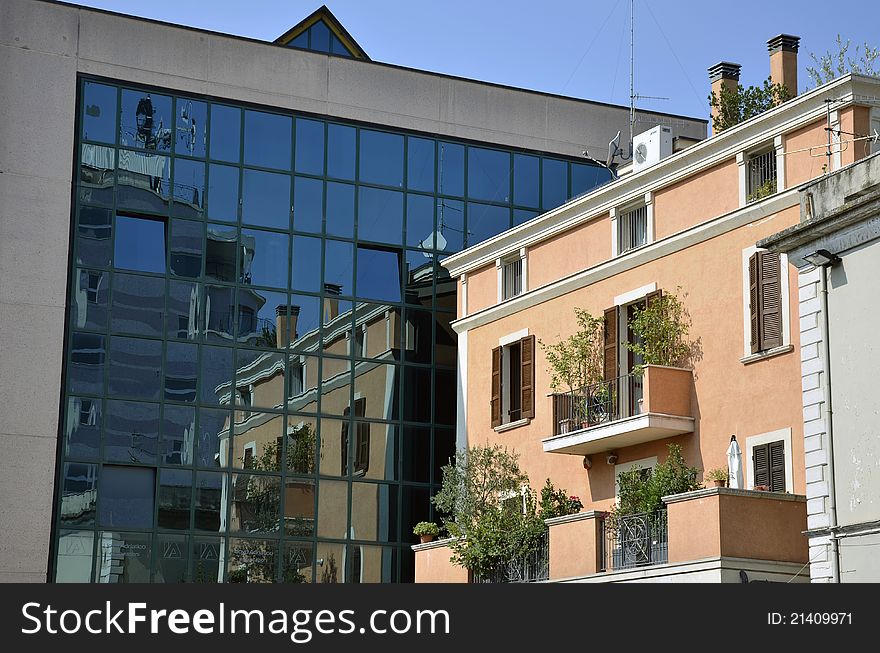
(94, 286)
(512, 278)
(760, 175)
(632, 229)
(765, 301)
(768, 462)
(874, 131)
(87, 412)
(513, 379)
(361, 453)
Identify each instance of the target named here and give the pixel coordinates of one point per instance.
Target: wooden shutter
(344, 442)
(771, 300)
(610, 343)
(362, 435)
(761, 459)
(652, 297)
(527, 377)
(754, 291)
(777, 466)
(496, 387)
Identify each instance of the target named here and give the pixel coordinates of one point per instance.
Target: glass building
(260, 378)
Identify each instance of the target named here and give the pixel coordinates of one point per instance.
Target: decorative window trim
(635, 295)
(748, 356)
(616, 213)
(766, 438)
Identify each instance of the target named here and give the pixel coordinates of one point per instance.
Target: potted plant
(719, 476)
(426, 530)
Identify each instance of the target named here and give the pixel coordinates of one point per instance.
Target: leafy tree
(831, 65)
(577, 361)
(661, 329)
(734, 107)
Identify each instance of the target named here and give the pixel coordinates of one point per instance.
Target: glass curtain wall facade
(260, 368)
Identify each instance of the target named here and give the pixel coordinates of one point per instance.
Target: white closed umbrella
(734, 464)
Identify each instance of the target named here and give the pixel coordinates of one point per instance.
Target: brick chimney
(783, 61)
(331, 302)
(285, 324)
(723, 75)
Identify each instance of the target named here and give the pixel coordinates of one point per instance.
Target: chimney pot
(783, 50)
(723, 74)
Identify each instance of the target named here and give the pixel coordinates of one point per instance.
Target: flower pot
(426, 538)
(719, 482)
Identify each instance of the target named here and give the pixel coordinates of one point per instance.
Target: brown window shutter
(527, 377)
(761, 459)
(344, 443)
(496, 387)
(754, 292)
(279, 444)
(610, 343)
(770, 300)
(777, 466)
(652, 297)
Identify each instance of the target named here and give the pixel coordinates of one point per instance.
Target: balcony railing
(635, 541)
(597, 404)
(531, 568)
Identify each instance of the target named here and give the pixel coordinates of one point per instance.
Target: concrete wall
(433, 564)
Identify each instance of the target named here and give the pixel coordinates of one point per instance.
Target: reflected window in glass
(262, 318)
(451, 167)
(221, 252)
(265, 258)
(308, 204)
(192, 127)
(554, 191)
(488, 175)
(131, 432)
(380, 215)
(332, 506)
(420, 164)
(79, 493)
(175, 499)
(134, 368)
(259, 384)
(183, 310)
(212, 446)
(189, 188)
(143, 181)
(139, 244)
(127, 497)
(415, 447)
(301, 444)
(374, 511)
(417, 395)
(97, 172)
(93, 243)
(219, 313)
(381, 158)
(180, 371)
(82, 432)
(338, 268)
(341, 146)
(340, 209)
(138, 304)
(267, 140)
(186, 248)
(256, 503)
(450, 224)
(178, 434)
(215, 378)
(223, 199)
(526, 180)
(265, 199)
(309, 146)
(90, 298)
(146, 121)
(86, 371)
(225, 133)
(209, 495)
(99, 112)
(420, 221)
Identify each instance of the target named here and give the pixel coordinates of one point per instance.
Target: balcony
(622, 412)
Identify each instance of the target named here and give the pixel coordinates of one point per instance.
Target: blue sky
(558, 46)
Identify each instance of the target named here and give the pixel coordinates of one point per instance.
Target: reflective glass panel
(372, 564)
(417, 394)
(306, 264)
(416, 507)
(375, 389)
(488, 175)
(340, 209)
(209, 504)
(379, 274)
(139, 244)
(93, 244)
(522, 215)
(450, 225)
(374, 512)
(221, 252)
(415, 447)
(418, 338)
(178, 435)
(262, 318)
(186, 248)
(180, 371)
(329, 562)
(219, 313)
(337, 47)
(97, 172)
(135, 368)
(301, 443)
(127, 496)
(297, 563)
(212, 447)
(308, 204)
(256, 503)
(146, 121)
(485, 221)
(376, 331)
(526, 180)
(373, 450)
(131, 432)
(320, 37)
(215, 379)
(381, 158)
(380, 215)
(584, 178)
(420, 221)
(305, 320)
(225, 133)
(341, 144)
(265, 199)
(206, 555)
(171, 557)
(86, 371)
(82, 429)
(192, 127)
(421, 268)
(420, 164)
(123, 557)
(444, 451)
(451, 168)
(265, 258)
(223, 193)
(260, 383)
(299, 506)
(79, 493)
(251, 561)
(444, 397)
(309, 146)
(338, 268)
(554, 189)
(175, 499)
(74, 557)
(99, 113)
(332, 508)
(300, 41)
(189, 188)
(90, 298)
(183, 310)
(267, 140)
(143, 182)
(138, 304)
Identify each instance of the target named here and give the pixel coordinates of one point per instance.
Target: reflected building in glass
(260, 373)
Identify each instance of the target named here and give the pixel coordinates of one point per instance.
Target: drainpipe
(826, 391)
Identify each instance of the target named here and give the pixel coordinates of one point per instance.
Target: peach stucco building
(686, 224)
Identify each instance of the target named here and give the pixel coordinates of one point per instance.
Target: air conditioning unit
(651, 146)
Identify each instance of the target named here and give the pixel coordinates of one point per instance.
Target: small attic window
(320, 38)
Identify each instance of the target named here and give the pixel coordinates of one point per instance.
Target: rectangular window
(512, 278)
(632, 229)
(760, 175)
(769, 466)
(361, 453)
(513, 379)
(765, 301)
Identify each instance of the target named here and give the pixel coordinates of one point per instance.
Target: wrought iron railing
(531, 568)
(600, 403)
(635, 541)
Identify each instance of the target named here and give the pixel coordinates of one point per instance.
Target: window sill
(512, 425)
(770, 353)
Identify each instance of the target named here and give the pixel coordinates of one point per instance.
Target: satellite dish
(613, 150)
(641, 153)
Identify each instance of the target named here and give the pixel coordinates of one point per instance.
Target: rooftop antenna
(633, 96)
